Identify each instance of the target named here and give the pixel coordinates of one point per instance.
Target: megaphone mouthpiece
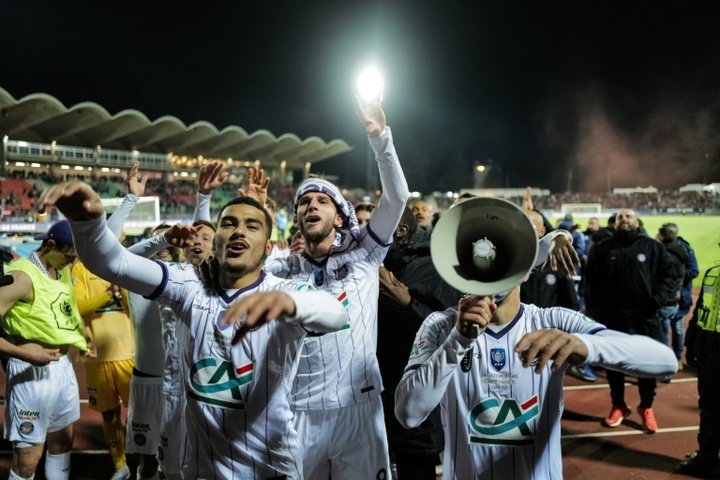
(483, 253)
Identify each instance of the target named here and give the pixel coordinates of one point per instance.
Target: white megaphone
(484, 246)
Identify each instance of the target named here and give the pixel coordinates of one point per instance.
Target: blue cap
(59, 232)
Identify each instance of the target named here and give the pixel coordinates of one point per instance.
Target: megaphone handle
(475, 330)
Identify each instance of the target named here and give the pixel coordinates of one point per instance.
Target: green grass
(702, 231)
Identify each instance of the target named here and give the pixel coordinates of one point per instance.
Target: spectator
(628, 276)
(363, 211)
(686, 298)
(423, 213)
(680, 256)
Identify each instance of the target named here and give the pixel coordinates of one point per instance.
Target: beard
(318, 235)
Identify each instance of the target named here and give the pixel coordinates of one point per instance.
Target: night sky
(553, 94)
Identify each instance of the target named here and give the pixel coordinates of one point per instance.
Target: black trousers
(646, 386)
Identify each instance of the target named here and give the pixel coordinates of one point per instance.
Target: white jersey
(502, 420)
(149, 358)
(341, 369)
(238, 418)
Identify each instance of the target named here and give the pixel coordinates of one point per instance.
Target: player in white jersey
(336, 396)
(238, 417)
(501, 392)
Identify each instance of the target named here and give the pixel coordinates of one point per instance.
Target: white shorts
(172, 436)
(144, 417)
(39, 400)
(347, 443)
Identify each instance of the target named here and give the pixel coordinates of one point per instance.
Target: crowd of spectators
(177, 196)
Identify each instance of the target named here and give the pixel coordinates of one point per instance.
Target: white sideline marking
(623, 433)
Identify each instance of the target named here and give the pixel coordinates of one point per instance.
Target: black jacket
(412, 265)
(549, 289)
(628, 276)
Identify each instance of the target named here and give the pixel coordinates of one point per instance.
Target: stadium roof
(42, 118)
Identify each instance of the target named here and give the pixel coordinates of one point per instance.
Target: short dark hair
(253, 203)
(365, 207)
(206, 223)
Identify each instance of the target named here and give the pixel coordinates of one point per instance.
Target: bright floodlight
(370, 85)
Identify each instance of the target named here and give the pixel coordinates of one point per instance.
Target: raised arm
(136, 189)
(96, 245)
(395, 190)
(435, 358)
(211, 176)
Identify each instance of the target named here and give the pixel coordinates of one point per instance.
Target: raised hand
(136, 185)
(562, 254)
(211, 177)
(474, 310)
(527, 204)
(76, 200)
(180, 235)
(257, 185)
(372, 115)
(257, 309)
(539, 347)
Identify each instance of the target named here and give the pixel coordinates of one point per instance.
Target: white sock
(57, 467)
(15, 476)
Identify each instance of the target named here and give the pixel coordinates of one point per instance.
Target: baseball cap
(60, 232)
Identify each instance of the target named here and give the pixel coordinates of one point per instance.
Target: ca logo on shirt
(503, 421)
(218, 382)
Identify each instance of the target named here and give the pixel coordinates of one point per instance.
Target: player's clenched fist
(76, 200)
(474, 310)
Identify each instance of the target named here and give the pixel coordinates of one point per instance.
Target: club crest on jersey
(342, 272)
(506, 422)
(218, 382)
(318, 277)
(498, 357)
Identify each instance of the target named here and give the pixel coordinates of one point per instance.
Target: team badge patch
(26, 428)
(641, 257)
(221, 326)
(550, 279)
(318, 277)
(498, 357)
(341, 272)
(140, 439)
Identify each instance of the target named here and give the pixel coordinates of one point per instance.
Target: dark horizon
(605, 93)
